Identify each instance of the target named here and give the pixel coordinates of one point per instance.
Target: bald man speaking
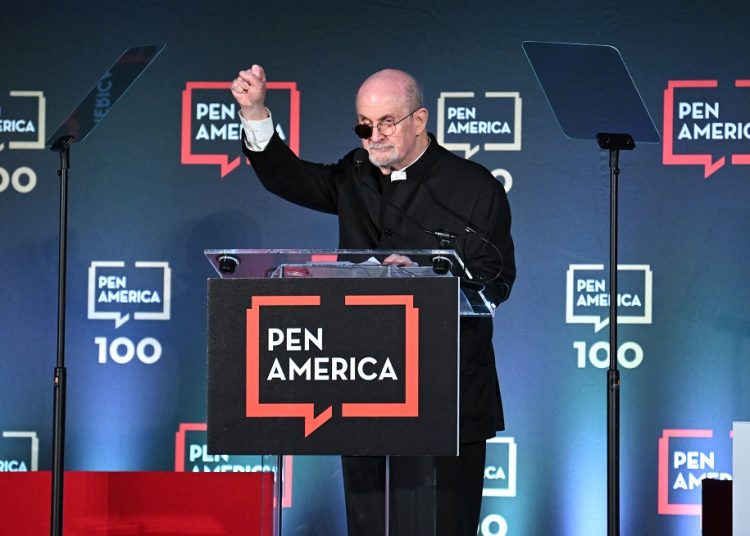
(417, 177)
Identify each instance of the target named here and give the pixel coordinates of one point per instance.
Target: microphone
(440, 263)
(360, 157)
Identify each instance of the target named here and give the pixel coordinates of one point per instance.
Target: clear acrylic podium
(347, 263)
(435, 392)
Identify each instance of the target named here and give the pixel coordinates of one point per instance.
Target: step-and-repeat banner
(162, 178)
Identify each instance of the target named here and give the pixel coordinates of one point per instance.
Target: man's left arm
(491, 219)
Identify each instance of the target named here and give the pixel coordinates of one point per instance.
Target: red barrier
(127, 503)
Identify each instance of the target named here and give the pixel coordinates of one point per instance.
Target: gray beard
(385, 160)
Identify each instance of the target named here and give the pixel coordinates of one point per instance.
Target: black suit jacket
(442, 192)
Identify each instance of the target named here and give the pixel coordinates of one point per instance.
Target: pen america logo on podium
(211, 129)
(292, 353)
(334, 361)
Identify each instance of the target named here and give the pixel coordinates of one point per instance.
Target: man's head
(392, 96)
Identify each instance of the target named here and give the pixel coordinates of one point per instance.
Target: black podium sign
(333, 366)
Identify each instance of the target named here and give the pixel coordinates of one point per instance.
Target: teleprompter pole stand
(79, 124)
(62, 146)
(592, 95)
(614, 143)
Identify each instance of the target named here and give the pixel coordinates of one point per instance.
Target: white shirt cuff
(257, 133)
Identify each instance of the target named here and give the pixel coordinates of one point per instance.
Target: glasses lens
(363, 131)
(387, 128)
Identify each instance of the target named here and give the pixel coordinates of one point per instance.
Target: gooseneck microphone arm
(361, 157)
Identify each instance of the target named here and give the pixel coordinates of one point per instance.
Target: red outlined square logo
(211, 130)
(408, 408)
(190, 454)
(704, 124)
(328, 365)
(686, 457)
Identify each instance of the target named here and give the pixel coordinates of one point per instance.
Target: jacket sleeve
(304, 183)
(495, 263)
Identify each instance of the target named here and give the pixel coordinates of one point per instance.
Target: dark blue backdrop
(132, 199)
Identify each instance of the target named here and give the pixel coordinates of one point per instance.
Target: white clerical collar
(400, 174)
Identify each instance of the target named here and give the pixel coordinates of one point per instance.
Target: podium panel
(354, 366)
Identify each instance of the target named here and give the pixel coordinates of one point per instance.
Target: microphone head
(441, 265)
(361, 156)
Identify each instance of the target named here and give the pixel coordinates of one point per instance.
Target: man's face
(383, 102)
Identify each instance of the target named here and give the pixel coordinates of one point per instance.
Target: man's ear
(420, 119)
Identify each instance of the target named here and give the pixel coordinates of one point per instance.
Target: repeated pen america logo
(686, 458)
(191, 455)
(22, 127)
(22, 120)
(211, 129)
(707, 124)
(19, 451)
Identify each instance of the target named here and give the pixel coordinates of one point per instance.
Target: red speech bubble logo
(223, 160)
(706, 160)
(180, 441)
(710, 165)
(254, 407)
(665, 507)
(408, 408)
(741, 159)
